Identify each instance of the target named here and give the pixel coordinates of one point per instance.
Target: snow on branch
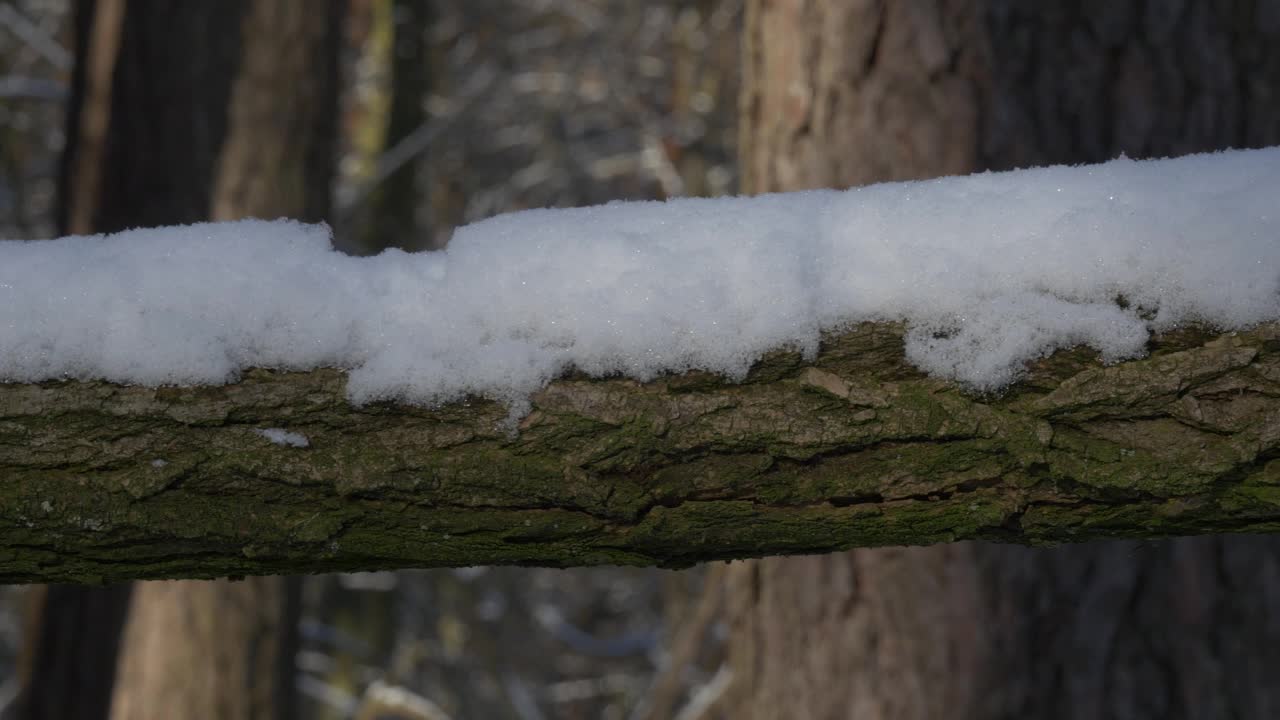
(987, 271)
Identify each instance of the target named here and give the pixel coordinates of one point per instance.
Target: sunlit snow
(988, 271)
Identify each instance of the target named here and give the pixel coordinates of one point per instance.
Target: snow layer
(280, 436)
(988, 271)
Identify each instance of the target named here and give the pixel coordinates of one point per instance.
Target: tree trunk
(280, 151)
(393, 216)
(142, 132)
(167, 104)
(153, 142)
(843, 93)
(71, 637)
(215, 649)
(225, 649)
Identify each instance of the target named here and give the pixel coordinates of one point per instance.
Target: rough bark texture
(106, 482)
(843, 93)
(224, 650)
(839, 93)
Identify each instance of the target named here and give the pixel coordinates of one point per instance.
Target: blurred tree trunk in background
(143, 128)
(153, 120)
(399, 200)
(177, 117)
(844, 93)
(279, 154)
(225, 649)
(209, 649)
(70, 641)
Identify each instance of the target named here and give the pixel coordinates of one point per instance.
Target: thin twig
(666, 687)
(414, 144)
(705, 697)
(34, 37)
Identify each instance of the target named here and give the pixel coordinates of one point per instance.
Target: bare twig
(667, 686)
(414, 144)
(521, 697)
(383, 700)
(34, 37)
(705, 697)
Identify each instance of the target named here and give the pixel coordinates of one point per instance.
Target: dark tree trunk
(844, 93)
(143, 130)
(72, 636)
(223, 649)
(395, 204)
(177, 116)
(167, 108)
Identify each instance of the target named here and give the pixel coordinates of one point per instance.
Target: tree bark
(844, 93)
(855, 449)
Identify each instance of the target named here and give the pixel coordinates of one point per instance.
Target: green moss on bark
(100, 482)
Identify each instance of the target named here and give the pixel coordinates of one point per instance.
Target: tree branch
(102, 482)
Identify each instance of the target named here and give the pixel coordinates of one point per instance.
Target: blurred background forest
(453, 111)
